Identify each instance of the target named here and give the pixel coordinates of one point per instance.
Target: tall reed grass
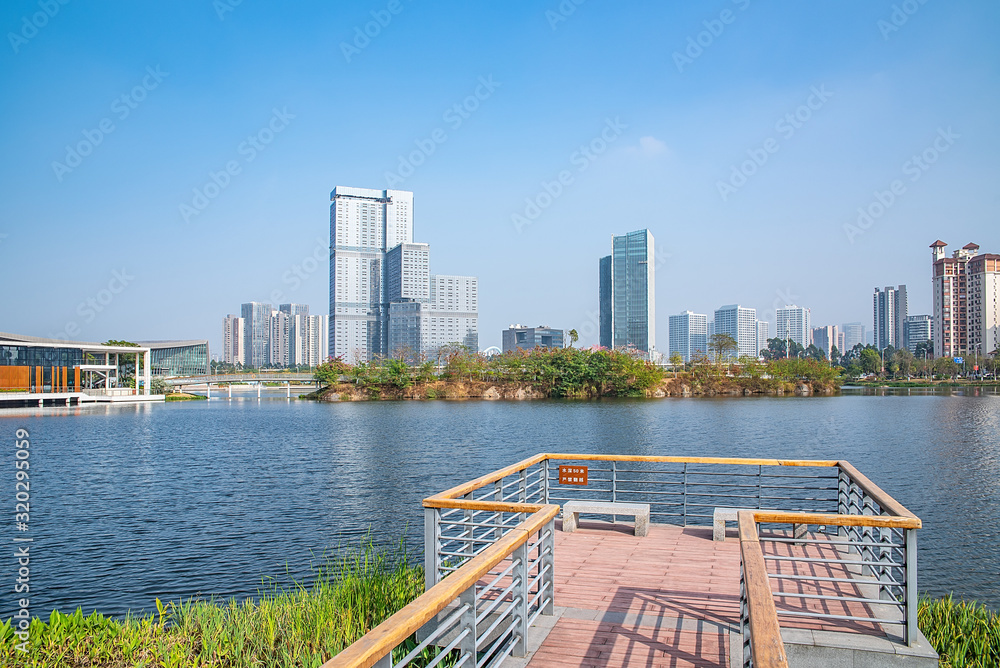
(292, 626)
(964, 634)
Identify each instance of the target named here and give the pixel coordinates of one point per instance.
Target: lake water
(130, 503)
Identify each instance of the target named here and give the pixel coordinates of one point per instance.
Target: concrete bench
(572, 510)
(723, 515)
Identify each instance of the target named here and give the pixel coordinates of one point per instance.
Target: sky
(165, 162)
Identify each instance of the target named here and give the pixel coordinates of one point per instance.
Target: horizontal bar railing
(489, 551)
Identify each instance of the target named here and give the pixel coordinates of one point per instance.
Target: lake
(134, 502)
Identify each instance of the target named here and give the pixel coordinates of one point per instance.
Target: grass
(964, 634)
(296, 626)
(183, 396)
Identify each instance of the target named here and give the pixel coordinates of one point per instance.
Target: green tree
(676, 359)
(126, 362)
(870, 361)
(573, 337)
(330, 371)
(775, 350)
(813, 352)
(722, 345)
(834, 355)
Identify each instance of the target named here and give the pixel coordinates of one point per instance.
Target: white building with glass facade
(688, 335)
(794, 323)
(741, 324)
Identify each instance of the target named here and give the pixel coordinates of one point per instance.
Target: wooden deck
(669, 599)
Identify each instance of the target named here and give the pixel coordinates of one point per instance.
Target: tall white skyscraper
(889, 314)
(233, 339)
(966, 289)
(364, 224)
(763, 334)
(741, 324)
(688, 335)
(794, 322)
(383, 298)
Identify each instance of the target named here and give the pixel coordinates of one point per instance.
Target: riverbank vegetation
(295, 626)
(565, 372)
(964, 634)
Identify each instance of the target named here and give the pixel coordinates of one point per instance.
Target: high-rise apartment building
(233, 339)
(375, 269)
(741, 324)
(841, 342)
(854, 333)
(364, 224)
(627, 293)
(794, 323)
(889, 315)
(256, 333)
(965, 288)
(918, 329)
(826, 338)
(277, 344)
(763, 334)
(688, 335)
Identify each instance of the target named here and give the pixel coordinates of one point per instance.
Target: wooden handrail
(697, 460)
(381, 640)
(888, 504)
(767, 647)
(832, 519)
(482, 481)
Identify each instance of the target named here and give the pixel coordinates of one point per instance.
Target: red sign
(572, 475)
(975, 368)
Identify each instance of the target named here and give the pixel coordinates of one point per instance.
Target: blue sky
(745, 135)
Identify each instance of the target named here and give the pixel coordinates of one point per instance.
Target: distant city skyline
(203, 149)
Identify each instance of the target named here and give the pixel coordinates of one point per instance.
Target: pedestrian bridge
(219, 378)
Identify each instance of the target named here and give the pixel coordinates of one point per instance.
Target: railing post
(760, 471)
(910, 630)
(547, 549)
(468, 623)
(522, 487)
(843, 485)
(521, 598)
(470, 545)
(385, 661)
(685, 494)
(614, 487)
(545, 481)
(747, 653)
(432, 547)
(498, 497)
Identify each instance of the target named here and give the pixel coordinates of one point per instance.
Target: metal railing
(489, 552)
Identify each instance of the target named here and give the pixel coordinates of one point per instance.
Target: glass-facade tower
(627, 297)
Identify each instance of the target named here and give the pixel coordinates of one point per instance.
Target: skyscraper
(741, 324)
(295, 331)
(364, 224)
(966, 290)
(854, 333)
(763, 334)
(688, 335)
(256, 333)
(889, 315)
(383, 298)
(627, 293)
(826, 339)
(794, 323)
(233, 339)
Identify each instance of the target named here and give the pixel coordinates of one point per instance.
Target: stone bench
(572, 510)
(723, 515)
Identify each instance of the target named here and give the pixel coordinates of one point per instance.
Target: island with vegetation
(567, 373)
